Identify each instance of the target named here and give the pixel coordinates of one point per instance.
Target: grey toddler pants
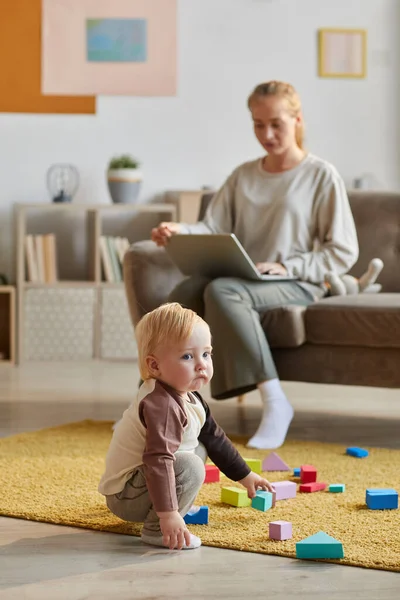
(134, 503)
(232, 308)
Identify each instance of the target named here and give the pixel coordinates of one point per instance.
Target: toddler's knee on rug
(189, 469)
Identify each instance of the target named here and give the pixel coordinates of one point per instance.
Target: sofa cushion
(371, 320)
(149, 277)
(284, 326)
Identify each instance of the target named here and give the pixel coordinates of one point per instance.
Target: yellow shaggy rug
(52, 475)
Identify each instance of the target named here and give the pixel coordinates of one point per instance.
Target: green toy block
(319, 545)
(337, 487)
(254, 464)
(262, 501)
(235, 496)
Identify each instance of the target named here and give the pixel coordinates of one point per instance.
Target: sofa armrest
(149, 277)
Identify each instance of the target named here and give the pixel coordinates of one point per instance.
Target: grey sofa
(351, 340)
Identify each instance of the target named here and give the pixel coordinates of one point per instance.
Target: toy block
(262, 501)
(312, 487)
(280, 530)
(254, 464)
(235, 496)
(357, 452)
(319, 545)
(197, 516)
(212, 474)
(273, 462)
(284, 489)
(336, 488)
(296, 472)
(308, 474)
(382, 499)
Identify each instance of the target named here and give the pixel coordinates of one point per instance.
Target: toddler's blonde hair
(283, 90)
(168, 323)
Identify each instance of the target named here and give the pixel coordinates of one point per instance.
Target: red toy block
(308, 474)
(312, 487)
(212, 474)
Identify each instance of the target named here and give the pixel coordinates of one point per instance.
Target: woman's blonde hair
(286, 91)
(168, 323)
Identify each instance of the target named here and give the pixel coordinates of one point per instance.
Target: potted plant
(124, 179)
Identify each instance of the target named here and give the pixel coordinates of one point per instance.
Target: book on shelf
(112, 252)
(41, 258)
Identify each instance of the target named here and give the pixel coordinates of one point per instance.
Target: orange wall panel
(20, 64)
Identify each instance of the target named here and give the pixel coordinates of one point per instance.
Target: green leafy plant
(125, 161)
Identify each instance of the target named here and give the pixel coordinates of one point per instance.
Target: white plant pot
(124, 185)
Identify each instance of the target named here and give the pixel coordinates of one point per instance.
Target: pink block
(273, 462)
(284, 489)
(280, 530)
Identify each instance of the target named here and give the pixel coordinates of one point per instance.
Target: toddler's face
(187, 366)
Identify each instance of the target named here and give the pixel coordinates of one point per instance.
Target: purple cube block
(280, 530)
(284, 489)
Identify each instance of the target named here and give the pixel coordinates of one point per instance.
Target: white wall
(198, 137)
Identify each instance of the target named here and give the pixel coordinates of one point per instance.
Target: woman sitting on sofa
(290, 211)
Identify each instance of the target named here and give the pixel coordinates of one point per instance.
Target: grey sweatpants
(134, 503)
(232, 308)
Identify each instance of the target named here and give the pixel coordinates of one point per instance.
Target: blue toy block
(319, 545)
(357, 452)
(382, 499)
(337, 487)
(262, 501)
(296, 472)
(198, 516)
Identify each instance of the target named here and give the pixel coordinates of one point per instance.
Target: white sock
(157, 540)
(276, 417)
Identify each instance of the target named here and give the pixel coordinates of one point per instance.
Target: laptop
(215, 255)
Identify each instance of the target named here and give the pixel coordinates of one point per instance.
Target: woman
(290, 211)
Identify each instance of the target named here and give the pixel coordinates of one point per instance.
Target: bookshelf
(7, 325)
(71, 309)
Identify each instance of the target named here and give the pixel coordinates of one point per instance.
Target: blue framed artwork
(116, 40)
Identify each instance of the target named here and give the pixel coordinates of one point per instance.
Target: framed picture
(109, 47)
(342, 53)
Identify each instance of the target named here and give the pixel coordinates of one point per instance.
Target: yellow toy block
(254, 464)
(235, 496)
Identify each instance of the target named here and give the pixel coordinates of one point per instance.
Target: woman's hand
(270, 268)
(161, 234)
(253, 481)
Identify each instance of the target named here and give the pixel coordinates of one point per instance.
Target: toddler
(155, 462)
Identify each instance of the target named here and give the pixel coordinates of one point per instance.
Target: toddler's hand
(253, 481)
(174, 530)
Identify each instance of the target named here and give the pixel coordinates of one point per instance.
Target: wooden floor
(39, 561)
